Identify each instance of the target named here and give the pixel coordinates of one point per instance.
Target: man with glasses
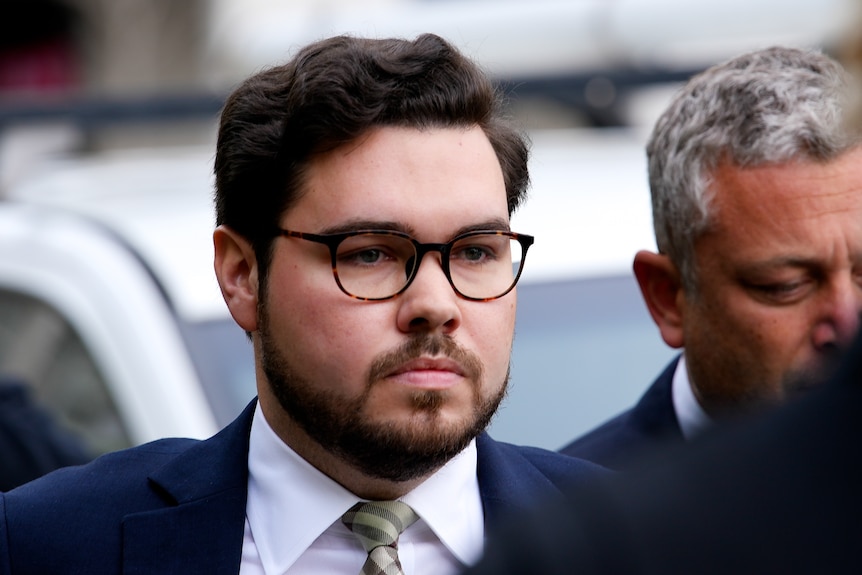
(363, 196)
(756, 188)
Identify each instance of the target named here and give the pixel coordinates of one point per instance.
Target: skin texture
(440, 362)
(779, 282)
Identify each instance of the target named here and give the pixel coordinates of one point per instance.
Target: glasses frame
(332, 241)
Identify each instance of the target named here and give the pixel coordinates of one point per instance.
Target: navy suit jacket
(634, 434)
(178, 505)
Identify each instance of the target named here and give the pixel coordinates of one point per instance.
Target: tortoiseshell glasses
(373, 265)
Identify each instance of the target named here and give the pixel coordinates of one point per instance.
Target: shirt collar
(450, 503)
(290, 502)
(693, 420)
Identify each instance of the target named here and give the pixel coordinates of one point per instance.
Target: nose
(841, 321)
(429, 304)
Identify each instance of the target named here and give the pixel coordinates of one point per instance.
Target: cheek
(494, 338)
(766, 335)
(318, 330)
(330, 332)
(728, 313)
(783, 338)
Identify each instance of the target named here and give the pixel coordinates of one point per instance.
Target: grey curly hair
(765, 107)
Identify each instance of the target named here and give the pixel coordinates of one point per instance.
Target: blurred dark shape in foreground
(774, 494)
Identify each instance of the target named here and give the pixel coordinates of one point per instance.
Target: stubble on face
(735, 386)
(377, 447)
(733, 371)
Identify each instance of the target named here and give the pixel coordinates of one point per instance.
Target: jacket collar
(510, 481)
(201, 530)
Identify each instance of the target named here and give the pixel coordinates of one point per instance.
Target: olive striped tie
(378, 524)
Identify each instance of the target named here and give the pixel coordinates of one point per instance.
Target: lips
(428, 361)
(428, 364)
(429, 372)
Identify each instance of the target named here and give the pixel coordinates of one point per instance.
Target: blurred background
(95, 64)
(108, 108)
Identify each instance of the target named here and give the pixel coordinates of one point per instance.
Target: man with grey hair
(757, 204)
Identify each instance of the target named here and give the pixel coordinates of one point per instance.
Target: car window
(223, 357)
(39, 346)
(585, 349)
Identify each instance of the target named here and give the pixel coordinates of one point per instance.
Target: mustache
(426, 345)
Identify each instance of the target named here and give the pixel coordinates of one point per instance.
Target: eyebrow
(778, 263)
(495, 224)
(790, 262)
(783, 261)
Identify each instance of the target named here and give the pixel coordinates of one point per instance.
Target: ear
(662, 291)
(236, 271)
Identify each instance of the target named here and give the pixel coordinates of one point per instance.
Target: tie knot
(378, 523)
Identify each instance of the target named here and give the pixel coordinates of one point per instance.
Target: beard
(377, 448)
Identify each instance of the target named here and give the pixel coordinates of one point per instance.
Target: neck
(329, 463)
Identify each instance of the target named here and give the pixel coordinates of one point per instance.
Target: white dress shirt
(293, 516)
(691, 416)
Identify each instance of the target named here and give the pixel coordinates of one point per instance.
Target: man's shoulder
(150, 476)
(116, 477)
(126, 505)
(519, 461)
(651, 422)
(512, 477)
(117, 464)
(77, 512)
(543, 458)
(606, 437)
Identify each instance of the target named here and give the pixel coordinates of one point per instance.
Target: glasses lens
(377, 265)
(374, 265)
(485, 266)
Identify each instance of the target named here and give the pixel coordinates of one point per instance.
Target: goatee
(379, 449)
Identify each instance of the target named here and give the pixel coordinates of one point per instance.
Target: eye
(481, 249)
(373, 250)
(473, 253)
(368, 256)
(781, 293)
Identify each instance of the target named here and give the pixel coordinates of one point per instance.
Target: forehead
(782, 197)
(426, 181)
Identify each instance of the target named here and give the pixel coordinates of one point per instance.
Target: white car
(110, 309)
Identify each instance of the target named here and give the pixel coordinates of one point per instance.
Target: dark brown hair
(333, 92)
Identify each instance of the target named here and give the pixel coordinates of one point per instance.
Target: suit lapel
(512, 478)
(201, 528)
(507, 480)
(654, 414)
